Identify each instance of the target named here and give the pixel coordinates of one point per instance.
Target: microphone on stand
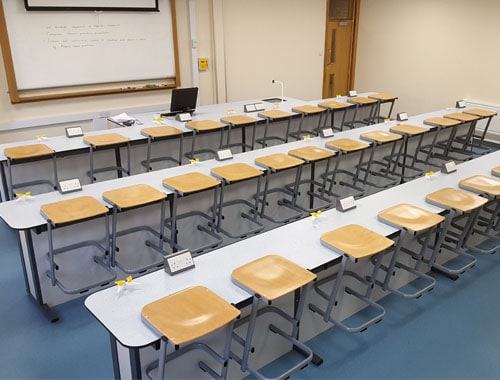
(281, 83)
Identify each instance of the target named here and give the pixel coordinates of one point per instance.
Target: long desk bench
(120, 315)
(24, 215)
(72, 152)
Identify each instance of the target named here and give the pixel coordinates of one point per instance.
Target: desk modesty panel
(298, 241)
(24, 214)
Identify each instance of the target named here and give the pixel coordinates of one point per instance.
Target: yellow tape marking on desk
(24, 196)
(122, 285)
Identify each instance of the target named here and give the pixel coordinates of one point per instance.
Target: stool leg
(173, 221)
(114, 222)
(91, 164)
(148, 155)
(54, 164)
(51, 255)
(250, 331)
(11, 193)
(336, 287)
(163, 356)
(181, 148)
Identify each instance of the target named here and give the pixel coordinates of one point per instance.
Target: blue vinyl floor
(451, 333)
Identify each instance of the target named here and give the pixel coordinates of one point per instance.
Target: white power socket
(178, 262)
(69, 185)
(347, 203)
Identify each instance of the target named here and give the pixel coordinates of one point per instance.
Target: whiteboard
(53, 49)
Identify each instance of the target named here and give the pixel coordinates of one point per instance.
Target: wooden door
(340, 47)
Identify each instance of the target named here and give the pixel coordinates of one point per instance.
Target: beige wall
(429, 53)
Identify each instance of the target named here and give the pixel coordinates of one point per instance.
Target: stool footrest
(159, 159)
(304, 350)
(208, 231)
(193, 346)
(283, 203)
(254, 225)
(377, 310)
(106, 276)
(429, 282)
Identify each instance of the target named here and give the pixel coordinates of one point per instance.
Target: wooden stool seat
(461, 204)
(489, 187)
(236, 172)
(360, 100)
(187, 316)
(28, 151)
(356, 241)
(307, 110)
(410, 217)
(25, 153)
(311, 153)
(441, 122)
(204, 125)
(409, 130)
(382, 97)
(332, 107)
(381, 137)
(183, 185)
(267, 279)
(190, 183)
(383, 177)
(271, 277)
(274, 115)
(463, 117)
(243, 222)
(496, 171)
(128, 198)
(315, 190)
(70, 211)
(73, 210)
(275, 163)
(480, 112)
(278, 161)
(161, 132)
(201, 126)
(482, 185)
(412, 221)
(455, 199)
(439, 150)
(347, 145)
(133, 196)
(405, 163)
(241, 121)
(475, 138)
(107, 141)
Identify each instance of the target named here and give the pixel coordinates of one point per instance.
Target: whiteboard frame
(48, 5)
(23, 96)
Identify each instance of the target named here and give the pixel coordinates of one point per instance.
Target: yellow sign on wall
(202, 64)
